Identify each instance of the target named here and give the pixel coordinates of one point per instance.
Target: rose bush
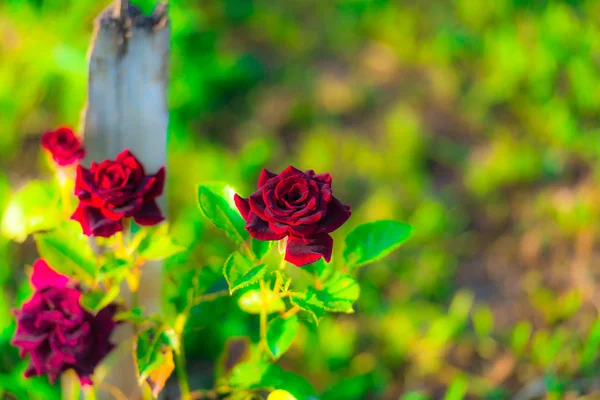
(76, 304)
(63, 146)
(113, 190)
(297, 205)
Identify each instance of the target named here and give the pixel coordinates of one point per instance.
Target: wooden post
(127, 108)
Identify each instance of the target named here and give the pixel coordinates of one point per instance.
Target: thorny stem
(70, 385)
(263, 317)
(120, 244)
(277, 286)
(180, 369)
(278, 282)
(211, 296)
(292, 311)
(63, 183)
(113, 390)
(282, 264)
(89, 392)
(249, 251)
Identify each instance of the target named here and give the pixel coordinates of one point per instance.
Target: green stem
(180, 369)
(250, 252)
(263, 317)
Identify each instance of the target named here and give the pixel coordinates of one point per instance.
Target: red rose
(112, 190)
(57, 332)
(64, 147)
(44, 276)
(296, 204)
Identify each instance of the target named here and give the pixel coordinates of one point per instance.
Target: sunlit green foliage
(474, 121)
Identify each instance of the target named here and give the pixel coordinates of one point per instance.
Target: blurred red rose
(57, 332)
(64, 147)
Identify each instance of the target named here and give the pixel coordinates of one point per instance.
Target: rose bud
(57, 332)
(112, 190)
(297, 205)
(64, 147)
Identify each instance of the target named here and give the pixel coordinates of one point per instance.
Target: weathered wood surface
(127, 108)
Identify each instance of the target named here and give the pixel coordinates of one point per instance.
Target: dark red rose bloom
(296, 204)
(63, 145)
(57, 332)
(112, 190)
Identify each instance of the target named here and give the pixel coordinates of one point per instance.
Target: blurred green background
(474, 121)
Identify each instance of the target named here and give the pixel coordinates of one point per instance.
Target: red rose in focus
(64, 147)
(57, 332)
(112, 190)
(296, 204)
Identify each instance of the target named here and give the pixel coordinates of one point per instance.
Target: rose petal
(145, 187)
(128, 159)
(44, 276)
(302, 230)
(325, 178)
(278, 227)
(93, 223)
(336, 215)
(265, 175)
(259, 229)
(111, 214)
(159, 184)
(290, 171)
(148, 214)
(284, 186)
(83, 180)
(257, 203)
(309, 219)
(308, 250)
(28, 341)
(242, 205)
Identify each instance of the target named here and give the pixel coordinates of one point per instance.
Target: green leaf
(309, 303)
(372, 241)
(69, 253)
(135, 316)
(260, 248)
(149, 348)
(590, 349)
(483, 321)
(216, 204)
(158, 245)
(113, 268)
(189, 285)
(414, 396)
(240, 271)
(262, 375)
(319, 269)
(252, 302)
(280, 334)
(32, 209)
(285, 280)
(281, 395)
(354, 387)
(457, 389)
(339, 294)
(520, 336)
(94, 301)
